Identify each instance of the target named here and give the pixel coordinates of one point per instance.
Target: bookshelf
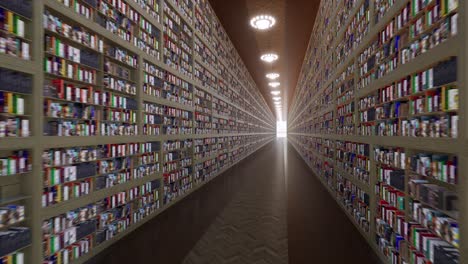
(399, 137)
(104, 123)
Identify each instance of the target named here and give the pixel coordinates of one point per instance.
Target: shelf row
(414, 194)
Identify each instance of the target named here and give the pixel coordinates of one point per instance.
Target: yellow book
(10, 21)
(59, 257)
(10, 102)
(63, 69)
(443, 7)
(443, 94)
(10, 259)
(59, 195)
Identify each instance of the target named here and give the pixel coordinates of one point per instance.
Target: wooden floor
(268, 209)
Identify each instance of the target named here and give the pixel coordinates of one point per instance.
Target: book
(452, 99)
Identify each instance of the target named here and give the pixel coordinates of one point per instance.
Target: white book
(454, 126)
(57, 158)
(66, 191)
(84, 96)
(44, 200)
(452, 5)
(454, 25)
(22, 164)
(19, 258)
(101, 46)
(93, 42)
(2, 45)
(77, 54)
(50, 197)
(431, 78)
(61, 49)
(452, 99)
(57, 243)
(20, 29)
(55, 67)
(57, 225)
(73, 173)
(20, 106)
(12, 166)
(65, 257)
(70, 71)
(68, 95)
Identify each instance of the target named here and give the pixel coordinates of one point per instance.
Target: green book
(401, 203)
(15, 24)
(57, 46)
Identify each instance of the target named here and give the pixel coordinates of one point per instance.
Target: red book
(59, 85)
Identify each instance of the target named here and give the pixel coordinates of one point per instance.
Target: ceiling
(288, 38)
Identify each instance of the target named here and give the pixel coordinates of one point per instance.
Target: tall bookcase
(379, 115)
(111, 111)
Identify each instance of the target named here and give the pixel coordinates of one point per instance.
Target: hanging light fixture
(263, 22)
(273, 76)
(274, 84)
(269, 57)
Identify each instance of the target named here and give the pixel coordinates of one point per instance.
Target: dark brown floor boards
(273, 187)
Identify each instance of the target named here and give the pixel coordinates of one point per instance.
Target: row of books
(13, 239)
(101, 220)
(438, 166)
(13, 39)
(11, 214)
(130, 60)
(16, 163)
(409, 44)
(56, 46)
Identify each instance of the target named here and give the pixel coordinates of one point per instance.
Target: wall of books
(111, 111)
(379, 116)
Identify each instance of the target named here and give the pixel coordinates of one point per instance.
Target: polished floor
(268, 209)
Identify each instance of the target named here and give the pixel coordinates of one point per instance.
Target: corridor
(267, 209)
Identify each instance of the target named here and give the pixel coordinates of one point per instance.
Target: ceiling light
(277, 103)
(277, 98)
(274, 84)
(263, 22)
(275, 92)
(270, 57)
(273, 76)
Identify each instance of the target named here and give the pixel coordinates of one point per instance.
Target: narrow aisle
(270, 209)
(252, 228)
(318, 230)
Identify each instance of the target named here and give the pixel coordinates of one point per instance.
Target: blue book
(2, 19)
(2, 101)
(397, 109)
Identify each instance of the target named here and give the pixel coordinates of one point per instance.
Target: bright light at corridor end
(263, 22)
(281, 129)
